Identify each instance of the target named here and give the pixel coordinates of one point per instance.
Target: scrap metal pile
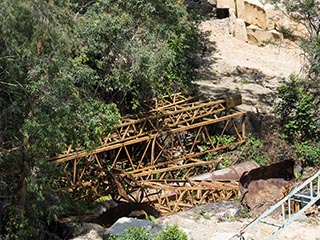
(155, 156)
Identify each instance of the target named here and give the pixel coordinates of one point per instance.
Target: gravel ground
(218, 222)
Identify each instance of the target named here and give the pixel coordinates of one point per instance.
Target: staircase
(304, 196)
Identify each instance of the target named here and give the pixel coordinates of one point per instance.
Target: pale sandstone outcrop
(264, 20)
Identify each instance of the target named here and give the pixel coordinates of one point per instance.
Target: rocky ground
(222, 221)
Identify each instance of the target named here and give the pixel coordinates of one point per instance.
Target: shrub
(168, 233)
(252, 151)
(296, 111)
(308, 153)
(172, 233)
(134, 234)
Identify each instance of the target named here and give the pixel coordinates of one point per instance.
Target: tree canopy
(68, 69)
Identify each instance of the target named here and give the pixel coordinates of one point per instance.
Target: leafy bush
(171, 233)
(307, 13)
(67, 67)
(297, 111)
(299, 120)
(223, 140)
(308, 153)
(252, 151)
(135, 50)
(269, 149)
(133, 234)
(168, 233)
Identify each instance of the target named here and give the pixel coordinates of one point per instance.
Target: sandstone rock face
(265, 21)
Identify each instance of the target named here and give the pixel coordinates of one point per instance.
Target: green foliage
(307, 12)
(287, 33)
(311, 49)
(243, 212)
(296, 111)
(308, 153)
(18, 226)
(67, 68)
(252, 151)
(171, 233)
(168, 233)
(137, 49)
(223, 140)
(133, 234)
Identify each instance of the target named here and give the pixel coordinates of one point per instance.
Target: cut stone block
(255, 13)
(240, 9)
(260, 36)
(240, 31)
(232, 21)
(226, 4)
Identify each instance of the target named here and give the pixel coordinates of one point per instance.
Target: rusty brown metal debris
(153, 156)
(232, 173)
(261, 187)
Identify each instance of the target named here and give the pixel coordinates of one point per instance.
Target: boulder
(240, 31)
(255, 13)
(91, 235)
(259, 36)
(81, 231)
(237, 26)
(124, 223)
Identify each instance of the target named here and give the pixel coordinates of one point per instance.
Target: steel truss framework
(153, 155)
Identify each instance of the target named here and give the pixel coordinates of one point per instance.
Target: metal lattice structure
(153, 154)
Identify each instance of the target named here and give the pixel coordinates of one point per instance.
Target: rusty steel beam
(135, 127)
(159, 151)
(175, 140)
(168, 101)
(177, 195)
